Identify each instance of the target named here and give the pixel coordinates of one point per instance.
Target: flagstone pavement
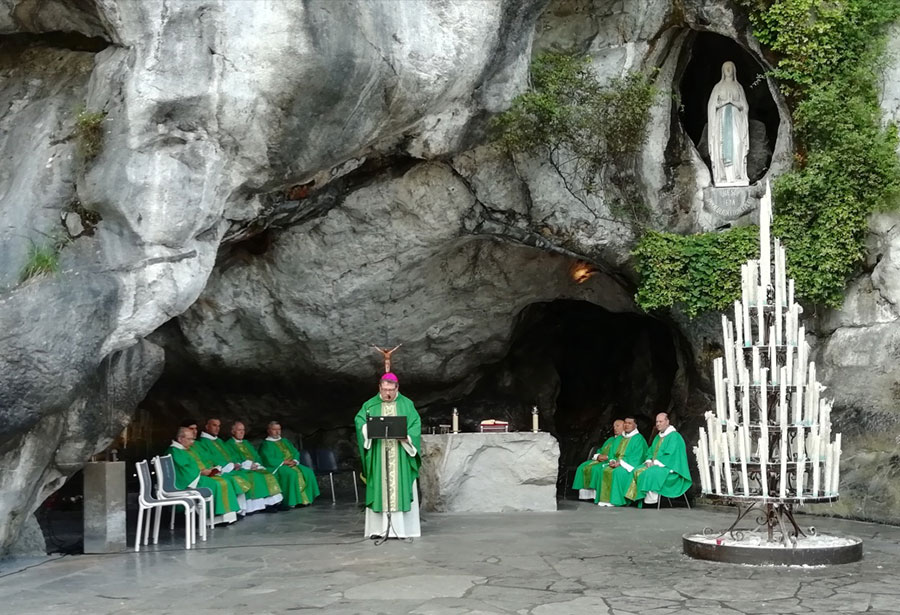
(581, 559)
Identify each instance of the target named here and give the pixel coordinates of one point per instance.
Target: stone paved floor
(580, 560)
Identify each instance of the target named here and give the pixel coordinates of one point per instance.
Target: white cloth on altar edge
(403, 524)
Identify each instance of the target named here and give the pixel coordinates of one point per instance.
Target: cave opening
(584, 366)
(702, 71)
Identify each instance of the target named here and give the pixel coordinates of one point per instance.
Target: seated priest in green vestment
(298, 483)
(242, 452)
(390, 467)
(190, 473)
(665, 471)
(262, 490)
(203, 457)
(597, 462)
(613, 481)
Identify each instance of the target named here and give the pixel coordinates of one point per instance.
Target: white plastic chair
(165, 489)
(146, 501)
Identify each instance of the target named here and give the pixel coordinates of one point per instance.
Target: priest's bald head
(662, 421)
(618, 427)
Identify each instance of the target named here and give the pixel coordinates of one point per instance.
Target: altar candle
(826, 477)
(745, 309)
(728, 346)
(756, 365)
(836, 465)
(455, 421)
(742, 436)
(717, 457)
(773, 357)
(738, 323)
(534, 419)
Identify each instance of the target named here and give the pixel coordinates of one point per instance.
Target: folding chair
(684, 495)
(147, 502)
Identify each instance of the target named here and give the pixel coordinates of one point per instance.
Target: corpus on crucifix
(387, 356)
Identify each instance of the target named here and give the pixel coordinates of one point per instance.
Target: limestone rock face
(476, 472)
(286, 183)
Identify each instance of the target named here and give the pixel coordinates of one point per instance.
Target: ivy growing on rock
(583, 127)
(826, 53)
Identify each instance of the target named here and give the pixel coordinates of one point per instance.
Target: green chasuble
(257, 485)
(212, 457)
(187, 468)
(670, 481)
(298, 483)
(612, 483)
(240, 451)
(388, 457)
(584, 471)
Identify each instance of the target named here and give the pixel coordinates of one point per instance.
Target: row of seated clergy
(625, 470)
(242, 479)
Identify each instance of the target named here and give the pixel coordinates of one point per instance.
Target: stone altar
(489, 472)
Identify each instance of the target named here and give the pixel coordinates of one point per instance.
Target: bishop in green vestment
(191, 472)
(390, 467)
(259, 490)
(665, 471)
(298, 483)
(612, 482)
(598, 461)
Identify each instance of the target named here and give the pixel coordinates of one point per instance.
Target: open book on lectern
(386, 427)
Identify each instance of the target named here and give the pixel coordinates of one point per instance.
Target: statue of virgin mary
(728, 132)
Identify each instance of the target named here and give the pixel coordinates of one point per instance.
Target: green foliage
(696, 272)
(43, 259)
(827, 52)
(582, 126)
(89, 133)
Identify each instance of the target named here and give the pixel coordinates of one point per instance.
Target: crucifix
(387, 356)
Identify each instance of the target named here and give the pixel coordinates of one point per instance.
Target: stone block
(105, 529)
(497, 472)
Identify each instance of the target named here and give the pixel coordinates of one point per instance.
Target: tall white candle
(720, 390)
(756, 366)
(827, 476)
(742, 436)
(760, 317)
(763, 447)
(763, 399)
(765, 262)
(732, 409)
(726, 457)
(801, 354)
(703, 462)
(745, 283)
(745, 400)
(814, 457)
(801, 467)
(789, 363)
(728, 346)
(782, 401)
(739, 323)
(782, 483)
(790, 290)
(773, 356)
(836, 465)
(753, 278)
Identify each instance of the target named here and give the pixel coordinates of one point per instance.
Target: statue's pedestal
(104, 507)
(489, 472)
